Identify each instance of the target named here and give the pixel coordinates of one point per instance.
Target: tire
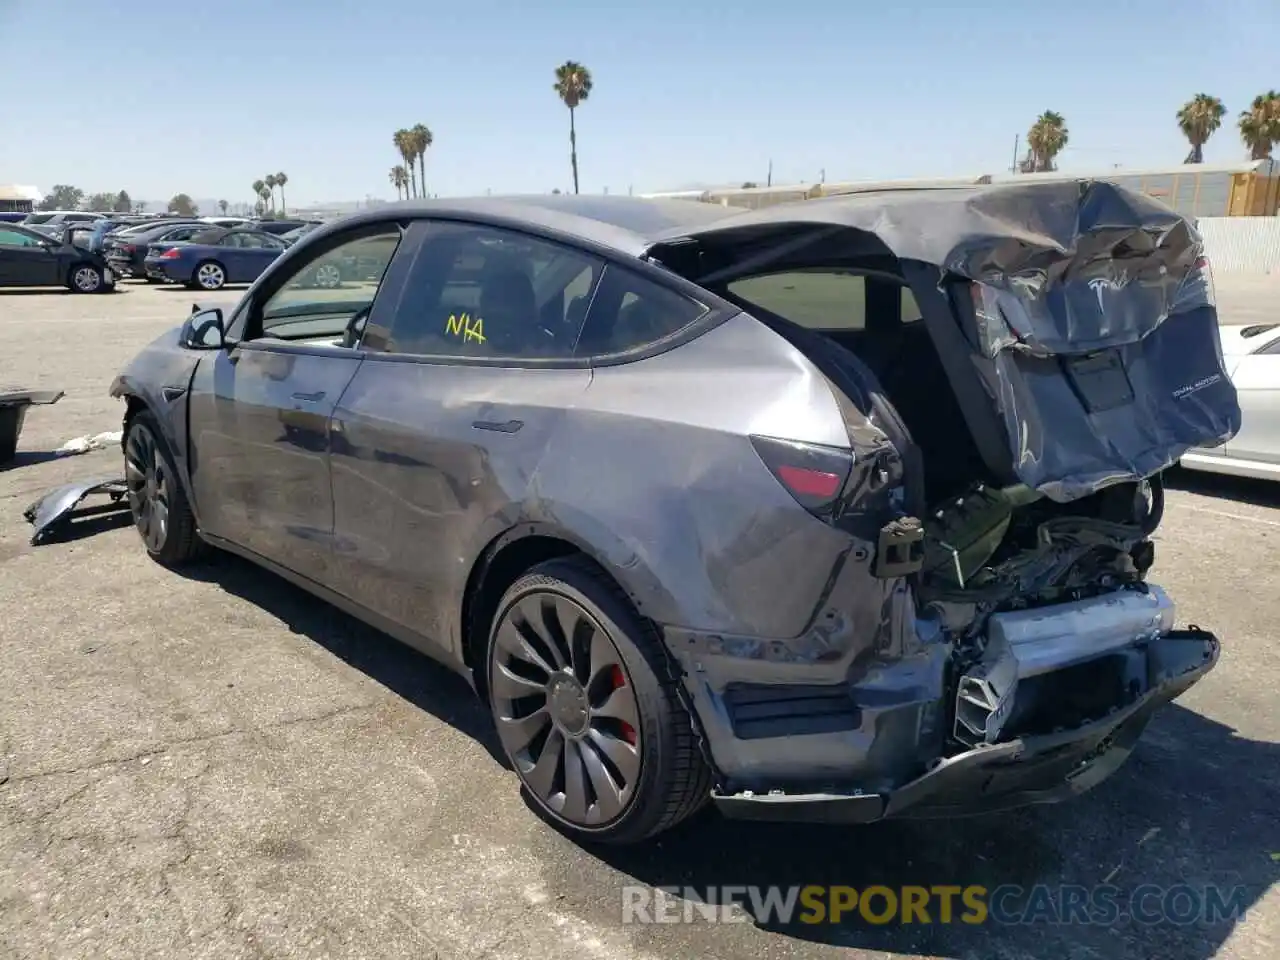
(86, 278)
(208, 275)
(152, 481)
(327, 276)
(657, 759)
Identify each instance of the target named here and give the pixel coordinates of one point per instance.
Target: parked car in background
(839, 509)
(279, 227)
(297, 233)
(29, 258)
(127, 249)
(210, 259)
(46, 218)
(226, 221)
(1252, 358)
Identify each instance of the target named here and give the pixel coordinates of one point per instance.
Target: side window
(824, 299)
(631, 311)
(327, 296)
(816, 300)
(483, 292)
(12, 238)
(255, 241)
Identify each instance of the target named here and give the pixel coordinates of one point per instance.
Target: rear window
(820, 299)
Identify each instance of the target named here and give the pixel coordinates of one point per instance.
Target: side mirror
(204, 330)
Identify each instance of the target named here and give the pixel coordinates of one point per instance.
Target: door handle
(511, 426)
(309, 397)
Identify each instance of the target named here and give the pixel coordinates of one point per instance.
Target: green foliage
(63, 196)
(183, 206)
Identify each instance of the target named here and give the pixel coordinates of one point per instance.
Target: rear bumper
(124, 267)
(1001, 776)
(159, 271)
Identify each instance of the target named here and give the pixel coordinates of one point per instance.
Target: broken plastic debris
(98, 441)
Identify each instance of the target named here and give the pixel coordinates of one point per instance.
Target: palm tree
(270, 181)
(281, 179)
(1260, 125)
(400, 180)
(1198, 119)
(573, 85)
(422, 140)
(1045, 140)
(222, 205)
(403, 141)
(259, 188)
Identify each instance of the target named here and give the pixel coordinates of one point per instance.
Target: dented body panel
(53, 510)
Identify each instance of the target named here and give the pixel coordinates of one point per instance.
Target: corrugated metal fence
(1242, 244)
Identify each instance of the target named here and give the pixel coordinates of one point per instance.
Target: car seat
(509, 311)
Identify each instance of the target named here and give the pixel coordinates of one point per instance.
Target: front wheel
(86, 278)
(156, 497)
(587, 709)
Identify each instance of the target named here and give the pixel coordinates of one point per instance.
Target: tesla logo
(1100, 286)
(470, 329)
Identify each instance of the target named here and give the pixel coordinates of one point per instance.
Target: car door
(259, 251)
(28, 259)
(441, 432)
(259, 422)
(233, 256)
(1257, 382)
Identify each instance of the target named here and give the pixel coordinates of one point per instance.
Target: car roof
(1240, 339)
(628, 225)
(23, 228)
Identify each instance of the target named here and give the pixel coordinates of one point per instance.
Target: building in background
(18, 198)
(1247, 189)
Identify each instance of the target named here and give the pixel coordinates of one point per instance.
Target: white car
(1252, 355)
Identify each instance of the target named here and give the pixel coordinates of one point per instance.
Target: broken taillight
(814, 475)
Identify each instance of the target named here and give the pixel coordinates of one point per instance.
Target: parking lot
(216, 765)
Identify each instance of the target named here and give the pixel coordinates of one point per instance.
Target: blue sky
(685, 93)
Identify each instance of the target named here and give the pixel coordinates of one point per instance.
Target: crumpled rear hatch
(1075, 319)
(1100, 352)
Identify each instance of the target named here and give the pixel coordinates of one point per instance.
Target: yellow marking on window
(469, 328)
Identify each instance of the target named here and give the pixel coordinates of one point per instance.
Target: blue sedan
(214, 258)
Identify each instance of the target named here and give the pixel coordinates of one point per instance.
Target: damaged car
(836, 510)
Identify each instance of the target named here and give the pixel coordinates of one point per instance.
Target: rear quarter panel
(655, 468)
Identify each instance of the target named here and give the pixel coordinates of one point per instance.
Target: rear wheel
(209, 275)
(156, 496)
(86, 278)
(587, 710)
(327, 276)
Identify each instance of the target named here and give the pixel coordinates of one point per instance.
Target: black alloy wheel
(587, 708)
(157, 499)
(147, 479)
(566, 714)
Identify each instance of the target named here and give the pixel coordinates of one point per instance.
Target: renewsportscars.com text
(975, 905)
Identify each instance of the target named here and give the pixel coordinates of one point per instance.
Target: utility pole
(769, 180)
(1016, 140)
(822, 175)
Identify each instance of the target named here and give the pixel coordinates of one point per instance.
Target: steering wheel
(355, 327)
